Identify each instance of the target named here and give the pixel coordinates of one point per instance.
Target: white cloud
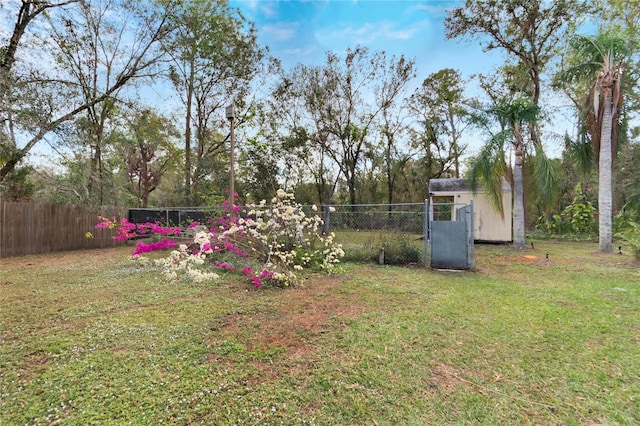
(266, 8)
(301, 51)
(282, 31)
(436, 9)
(370, 33)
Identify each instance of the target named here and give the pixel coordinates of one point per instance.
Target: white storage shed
(490, 225)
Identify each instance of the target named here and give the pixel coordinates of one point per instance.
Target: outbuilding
(490, 225)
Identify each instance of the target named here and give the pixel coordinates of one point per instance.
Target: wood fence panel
(31, 228)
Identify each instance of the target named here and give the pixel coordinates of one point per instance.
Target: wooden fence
(31, 228)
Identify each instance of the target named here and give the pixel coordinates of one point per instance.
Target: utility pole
(231, 116)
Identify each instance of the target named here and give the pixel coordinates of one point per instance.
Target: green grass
(364, 246)
(90, 338)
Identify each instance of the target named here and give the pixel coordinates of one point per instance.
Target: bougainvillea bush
(266, 244)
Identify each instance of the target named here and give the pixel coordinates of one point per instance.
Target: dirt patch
(445, 377)
(33, 363)
(300, 317)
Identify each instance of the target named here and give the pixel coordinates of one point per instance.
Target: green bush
(399, 250)
(360, 254)
(627, 226)
(578, 218)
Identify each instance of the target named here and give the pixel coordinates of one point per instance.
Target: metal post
(425, 233)
(471, 225)
(231, 115)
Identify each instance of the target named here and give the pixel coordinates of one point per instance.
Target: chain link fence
(383, 233)
(408, 218)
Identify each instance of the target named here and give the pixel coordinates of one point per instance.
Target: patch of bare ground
(301, 315)
(624, 260)
(445, 377)
(32, 363)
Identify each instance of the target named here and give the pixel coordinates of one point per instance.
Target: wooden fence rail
(32, 228)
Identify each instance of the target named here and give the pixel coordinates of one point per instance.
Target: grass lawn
(88, 337)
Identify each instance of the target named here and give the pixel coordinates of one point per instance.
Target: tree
(293, 131)
(326, 117)
(214, 59)
(600, 61)
(149, 152)
(490, 165)
(395, 154)
(9, 81)
(627, 179)
(338, 102)
(438, 105)
(528, 30)
(90, 45)
(29, 10)
(260, 169)
(63, 95)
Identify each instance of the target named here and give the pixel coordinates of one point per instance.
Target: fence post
(471, 253)
(425, 233)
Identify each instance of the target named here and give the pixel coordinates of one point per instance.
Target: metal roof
(459, 185)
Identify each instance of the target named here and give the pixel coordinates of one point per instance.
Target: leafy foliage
(577, 218)
(627, 224)
(580, 213)
(400, 250)
(267, 246)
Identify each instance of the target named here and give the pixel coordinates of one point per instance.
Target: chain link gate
(450, 236)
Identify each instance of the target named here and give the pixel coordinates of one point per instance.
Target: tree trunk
(351, 181)
(605, 228)
(518, 201)
(519, 228)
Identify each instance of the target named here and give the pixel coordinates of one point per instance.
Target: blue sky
(299, 31)
(302, 31)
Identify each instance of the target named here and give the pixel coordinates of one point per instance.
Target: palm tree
(490, 165)
(599, 61)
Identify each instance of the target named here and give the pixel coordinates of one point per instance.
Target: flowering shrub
(126, 230)
(267, 246)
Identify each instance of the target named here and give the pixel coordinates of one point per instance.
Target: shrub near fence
(363, 229)
(382, 233)
(32, 228)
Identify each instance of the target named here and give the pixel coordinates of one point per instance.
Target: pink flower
(256, 281)
(234, 249)
(159, 245)
(266, 274)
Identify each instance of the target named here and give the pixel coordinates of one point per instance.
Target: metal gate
(451, 236)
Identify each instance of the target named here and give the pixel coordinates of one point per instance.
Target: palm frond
(545, 174)
(581, 152)
(489, 168)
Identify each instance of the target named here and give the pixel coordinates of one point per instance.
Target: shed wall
(488, 224)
